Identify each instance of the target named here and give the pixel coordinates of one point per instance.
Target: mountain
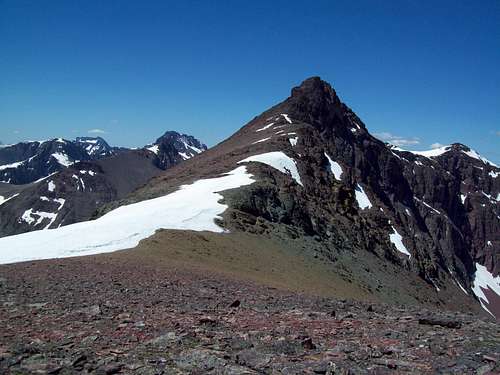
(172, 148)
(75, 192)
(26, 162)
(95, 146)
(388, 225)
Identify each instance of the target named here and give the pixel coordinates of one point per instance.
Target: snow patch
(3, 199)
(154, 149)
(51, 186)
(428, 153)
(286, 118)
(62, 159)
(473, 154)
(462, 198)
(335, 168)
(293, 141)
(397, 240)
(362, 198)
(427, 205)
(29, 216)
(483, 279)
(184, 155)
(262, 140)
(91, 173)
(12, 165)
(192, 207)
(279, 161)
(494, 174)
(265, 127)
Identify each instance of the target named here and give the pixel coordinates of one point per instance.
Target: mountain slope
(307, 170)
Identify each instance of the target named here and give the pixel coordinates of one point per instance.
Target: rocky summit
(301, 244)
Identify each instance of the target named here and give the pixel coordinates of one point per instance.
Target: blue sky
(416, 72)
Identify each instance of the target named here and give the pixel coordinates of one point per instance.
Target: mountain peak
(314, 102)
(314, 87)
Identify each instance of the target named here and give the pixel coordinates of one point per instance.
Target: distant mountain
(95, 146)
(172, 148)
(84, 175)
(26, 162)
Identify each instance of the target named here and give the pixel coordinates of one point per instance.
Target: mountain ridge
(317, 176)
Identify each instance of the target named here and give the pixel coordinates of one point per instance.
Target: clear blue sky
(423, 71)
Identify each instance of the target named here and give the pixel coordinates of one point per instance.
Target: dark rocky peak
(315, 102)
(173, 147)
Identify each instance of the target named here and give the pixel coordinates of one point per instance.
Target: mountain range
(394, 226)
(59, 182)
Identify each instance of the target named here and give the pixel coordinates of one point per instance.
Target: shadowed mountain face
(77, 177)
(320, 174)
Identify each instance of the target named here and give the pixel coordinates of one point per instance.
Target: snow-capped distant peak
(444, 149)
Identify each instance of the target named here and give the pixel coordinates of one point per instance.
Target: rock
(308, 344)
(200, 359)
(235, 304)
(79, 361)
(208, 321)
(447, 323)
(253, 358)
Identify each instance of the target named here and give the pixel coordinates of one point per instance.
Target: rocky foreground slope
(131, 313)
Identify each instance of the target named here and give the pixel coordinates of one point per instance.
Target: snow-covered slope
(192, 207)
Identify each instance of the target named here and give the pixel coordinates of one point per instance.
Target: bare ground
(176, 306)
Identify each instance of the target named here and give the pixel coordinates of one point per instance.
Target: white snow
(44, 178)
(29, 216)
(154, 149)
(184, 155)
(12, 165)
(473, 154)
(397, 240)
(492, 198)
(188, 147)
(461, 287)
(192, 207)
(92, 173)
(286, 118)
(428, 153)
(334, 167)
(277, 160)
(42, 198)
(494, 174)
(488, 243)
(483, 279)
(427, 205)
(51, 186)
(3, 199)
(265, 127)
(262, 140)
(462, 198)
(62, 159)
(293, 141)
(362, 198)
